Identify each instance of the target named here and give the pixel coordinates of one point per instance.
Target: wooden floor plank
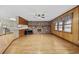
(41, 44)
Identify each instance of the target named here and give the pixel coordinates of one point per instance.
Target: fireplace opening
(39, 30)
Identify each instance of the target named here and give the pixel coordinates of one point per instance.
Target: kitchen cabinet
(22, 22)
(21, 32)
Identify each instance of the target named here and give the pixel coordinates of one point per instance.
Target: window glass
(68, 23)
(60, 26)
(56, 25)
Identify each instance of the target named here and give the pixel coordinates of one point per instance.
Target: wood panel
(73, 37)
(23, 21)
(21, 32)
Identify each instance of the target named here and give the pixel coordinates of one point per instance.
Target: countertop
(6, 33)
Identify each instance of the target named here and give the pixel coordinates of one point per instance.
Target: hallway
(41, 44)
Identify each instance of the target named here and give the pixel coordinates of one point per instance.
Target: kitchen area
(9, 31)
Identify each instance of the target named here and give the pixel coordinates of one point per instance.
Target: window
(60, 25)
(68, 23)
(56, 25)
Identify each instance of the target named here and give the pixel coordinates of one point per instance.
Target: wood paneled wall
(74, 36)
(22, 21)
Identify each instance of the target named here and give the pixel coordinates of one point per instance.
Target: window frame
(56, 25)
(71, 15)
(60, 20)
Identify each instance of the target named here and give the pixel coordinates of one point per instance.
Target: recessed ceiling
(28, 11)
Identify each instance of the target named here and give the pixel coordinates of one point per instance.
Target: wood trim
(78, 23)
(9, 45)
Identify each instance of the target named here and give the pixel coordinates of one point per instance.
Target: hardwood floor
(41, 44)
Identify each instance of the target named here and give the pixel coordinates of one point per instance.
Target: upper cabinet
(23, 21)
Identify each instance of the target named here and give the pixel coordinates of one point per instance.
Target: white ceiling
(28, 11)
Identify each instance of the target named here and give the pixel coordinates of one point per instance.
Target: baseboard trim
(8, 46)
(65, 39)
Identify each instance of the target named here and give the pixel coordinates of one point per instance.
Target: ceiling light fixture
(41, 15)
